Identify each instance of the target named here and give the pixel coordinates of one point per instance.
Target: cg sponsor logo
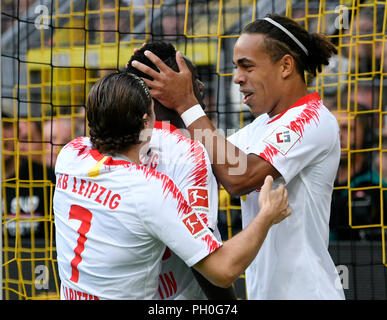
(283, 136)
(282, 139)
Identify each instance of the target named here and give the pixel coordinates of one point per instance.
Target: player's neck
(135, 151)
(292, 92)
(167, 115)
(132, 155)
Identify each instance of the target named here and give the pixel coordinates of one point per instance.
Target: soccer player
(187, 163)
(114, 217)
(294, 138)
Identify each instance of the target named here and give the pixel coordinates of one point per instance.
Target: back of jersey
(87, 195)
(187, 163)
(110, 237)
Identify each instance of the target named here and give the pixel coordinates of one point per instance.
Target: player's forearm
(227, 263)
(229, 163)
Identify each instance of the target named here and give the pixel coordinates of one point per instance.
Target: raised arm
(238, 172)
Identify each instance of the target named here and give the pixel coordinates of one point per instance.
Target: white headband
(288, 33)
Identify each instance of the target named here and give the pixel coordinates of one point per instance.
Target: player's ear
(145, 118)
(287, 65)
(146, 132)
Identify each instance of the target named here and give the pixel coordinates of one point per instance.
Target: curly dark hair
(167, 53)
(277, 43)
(115, 108)
(164, 50)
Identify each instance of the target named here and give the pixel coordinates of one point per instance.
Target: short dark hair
(278, 43)
(115, 108)
(167, 53)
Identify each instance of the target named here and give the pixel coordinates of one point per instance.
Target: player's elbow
(234, 191)
(237, 188)
(228, 279)
(255, 170)
(230, 272)
(218, 270)
(231, 184)
(222, 279)
(225, 283)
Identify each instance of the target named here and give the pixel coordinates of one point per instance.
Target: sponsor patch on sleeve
(282, 139)
(195, 225)
(198, 197)
(198, 200)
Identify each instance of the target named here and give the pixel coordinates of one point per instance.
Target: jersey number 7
(85, 216)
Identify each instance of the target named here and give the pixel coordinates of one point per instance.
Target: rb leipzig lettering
(90, 190)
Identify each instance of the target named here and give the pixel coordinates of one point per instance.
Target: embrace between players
(161, 240)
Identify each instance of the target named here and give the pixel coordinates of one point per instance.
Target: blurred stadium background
(53, 51)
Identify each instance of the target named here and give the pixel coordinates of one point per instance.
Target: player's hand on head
(172, 89)
(273, 203)
(134, 51)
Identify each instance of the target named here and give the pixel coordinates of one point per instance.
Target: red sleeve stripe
(212, 244)
(308, 99)
(200, 172)
(196, 153)
(309, 113)
(169, 187)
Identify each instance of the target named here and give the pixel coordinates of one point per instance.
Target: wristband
(192, 114)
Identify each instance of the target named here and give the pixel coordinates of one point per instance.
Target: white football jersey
(187, 163)
(303, 144)
(114, 220)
